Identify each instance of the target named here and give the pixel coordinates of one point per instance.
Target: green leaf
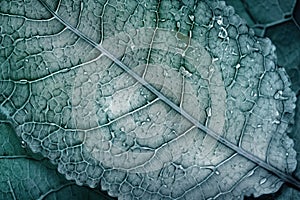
(285, 34)
(25, 175)
(148, 99)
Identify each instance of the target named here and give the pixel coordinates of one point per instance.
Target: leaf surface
(135, 129)
(25, 175)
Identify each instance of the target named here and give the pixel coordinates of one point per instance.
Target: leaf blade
(287, 178)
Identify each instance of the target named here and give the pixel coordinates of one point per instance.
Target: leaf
(285, 35)
(196, 100)
(26, 176)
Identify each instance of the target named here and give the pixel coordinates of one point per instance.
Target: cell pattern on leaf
(76, 107)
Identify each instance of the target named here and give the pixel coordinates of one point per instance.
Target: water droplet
(251, 173)
(122, 129)
(208, 111)
(112, 134)
(223, 33)
(217, 172)
(220, 20)
(276, 122)
(279, 95)
(178, 24)
(262, 181)
(184, 72)
(26, 60)
(280, 92)
(148, 119)
(287, 154)
(192, 17)
(142, 91)
(23, 144)
(215, 59)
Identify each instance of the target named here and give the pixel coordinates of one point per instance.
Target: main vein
(285, 177)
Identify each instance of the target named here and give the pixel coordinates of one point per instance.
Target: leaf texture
(198, 66)
(25, 175)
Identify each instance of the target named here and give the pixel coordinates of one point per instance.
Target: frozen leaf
(27, 176)
(149, 99)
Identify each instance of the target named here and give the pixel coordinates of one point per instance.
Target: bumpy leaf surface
(72, 103)
(28, 176)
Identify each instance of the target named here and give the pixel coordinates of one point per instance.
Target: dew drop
(208, 111)
(192, 17)
(81, 5)
(279, 95)
(223, 33)
(142, 91)
(112, 134)
(262, 181)
(220, 21)
(215, 60)
(276, 122)
(251, 173)
(217, 172)
(122, 129)
(184, 72)
(23, 144)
